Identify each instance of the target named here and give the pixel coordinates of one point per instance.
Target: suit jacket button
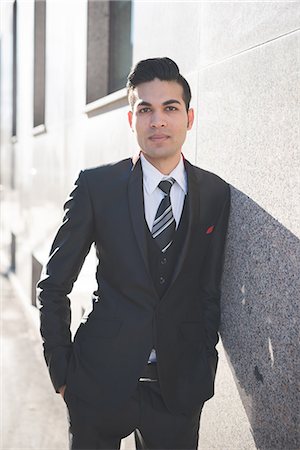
(162, 280)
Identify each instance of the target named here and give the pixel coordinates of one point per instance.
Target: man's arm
(69, 249)
(212, 275)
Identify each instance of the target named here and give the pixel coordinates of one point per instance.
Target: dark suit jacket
(128, 319)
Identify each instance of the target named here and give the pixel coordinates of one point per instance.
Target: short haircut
(165, 69)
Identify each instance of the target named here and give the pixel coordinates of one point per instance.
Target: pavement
(33, 416)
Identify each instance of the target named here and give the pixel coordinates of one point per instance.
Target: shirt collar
(152, 177)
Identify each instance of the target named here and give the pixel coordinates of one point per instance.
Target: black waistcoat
(162, 264)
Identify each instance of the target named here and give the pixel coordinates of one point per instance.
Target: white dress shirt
(153, 196)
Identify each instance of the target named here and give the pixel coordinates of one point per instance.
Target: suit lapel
(136, 208)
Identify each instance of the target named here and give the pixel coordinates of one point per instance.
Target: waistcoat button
(163, 261)
(162, 280)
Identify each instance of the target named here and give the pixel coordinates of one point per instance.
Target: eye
(171, 108)
(144, 110)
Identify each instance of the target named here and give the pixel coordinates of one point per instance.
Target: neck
(164, 166)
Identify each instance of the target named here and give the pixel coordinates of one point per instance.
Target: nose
(158, 120)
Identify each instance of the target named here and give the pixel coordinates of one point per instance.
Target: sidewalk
(32, 415)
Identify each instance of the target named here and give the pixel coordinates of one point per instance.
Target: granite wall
(260, 322)
(248, 103)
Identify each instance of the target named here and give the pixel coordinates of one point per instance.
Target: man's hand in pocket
(61, 390)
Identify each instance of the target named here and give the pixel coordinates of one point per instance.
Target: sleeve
(69, 249)
(212, 274)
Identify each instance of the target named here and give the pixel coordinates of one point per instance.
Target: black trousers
(155, 427)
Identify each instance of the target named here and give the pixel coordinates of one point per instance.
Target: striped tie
(164, 223)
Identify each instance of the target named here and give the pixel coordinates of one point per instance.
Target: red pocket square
(210, 229)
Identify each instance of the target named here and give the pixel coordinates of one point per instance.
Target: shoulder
(208, 180)
(111, 173)
(116, 168)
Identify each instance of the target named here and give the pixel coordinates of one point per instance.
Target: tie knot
(166, 185)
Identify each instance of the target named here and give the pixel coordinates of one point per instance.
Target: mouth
(158, 137)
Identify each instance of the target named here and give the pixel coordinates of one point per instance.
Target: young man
(145, 359)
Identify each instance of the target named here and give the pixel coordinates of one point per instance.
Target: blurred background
(63, 108)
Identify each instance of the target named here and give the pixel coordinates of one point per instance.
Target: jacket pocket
(192, 331)
(100, 328)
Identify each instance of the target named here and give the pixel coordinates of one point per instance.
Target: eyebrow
(167, 102)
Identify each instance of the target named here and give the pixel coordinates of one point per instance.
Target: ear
(129, 115)
(191, 116)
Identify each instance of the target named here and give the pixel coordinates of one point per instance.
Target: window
(120, 48)
(39, 62)
(109, 49)
(97, 50)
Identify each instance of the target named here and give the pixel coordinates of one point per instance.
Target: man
(145, 358)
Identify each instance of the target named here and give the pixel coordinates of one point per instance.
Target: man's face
(160, 120)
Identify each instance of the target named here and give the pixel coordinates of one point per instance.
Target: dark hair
(165, 69)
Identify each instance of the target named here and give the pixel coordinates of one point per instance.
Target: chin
(160, 155)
